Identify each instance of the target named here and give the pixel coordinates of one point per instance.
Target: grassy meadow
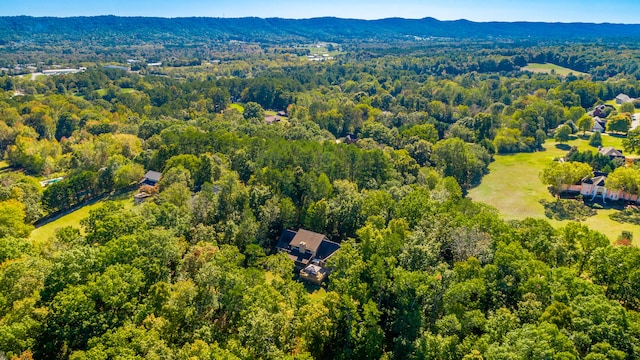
(547, 68)
(513, 186)
(41, 235)
(103, 92)
(238, 107)
(319, 49)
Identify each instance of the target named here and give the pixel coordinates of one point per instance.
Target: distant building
(610, 152)
(350, 139)
(599, 125)
(61, 71)
(623, 98)
(151, 178)
(599, 111)
(270, 119)
(123, 68)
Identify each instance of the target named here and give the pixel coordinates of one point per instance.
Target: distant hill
(113, 30)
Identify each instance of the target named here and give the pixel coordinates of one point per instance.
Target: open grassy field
(613, 103)
(514, 188)
(323, 48)
(546, 68)
(238, 107)
(103, 92)
(41, 235)
(283, 119)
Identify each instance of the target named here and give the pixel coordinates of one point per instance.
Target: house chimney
(303, 247)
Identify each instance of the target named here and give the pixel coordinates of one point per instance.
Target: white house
(597, 126)
(595, 188)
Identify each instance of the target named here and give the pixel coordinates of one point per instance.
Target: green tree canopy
(558, 174)
(626, 179)
(585, 123)
(562, 133)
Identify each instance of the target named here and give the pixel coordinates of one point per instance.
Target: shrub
(595, 139)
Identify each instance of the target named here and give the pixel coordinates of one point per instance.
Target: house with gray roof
(309, 251)
(151, 178)
(623, 98)
(611, 152)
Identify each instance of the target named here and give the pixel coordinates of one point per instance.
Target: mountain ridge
(118, 29)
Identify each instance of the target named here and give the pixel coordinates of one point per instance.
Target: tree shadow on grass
(567, 209)
(617, 135)
(629, 215)
(564, 147)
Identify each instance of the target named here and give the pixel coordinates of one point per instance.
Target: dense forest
(26, 40)
(193, 272)
(278, 30)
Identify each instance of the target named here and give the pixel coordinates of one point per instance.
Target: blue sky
(621, 11)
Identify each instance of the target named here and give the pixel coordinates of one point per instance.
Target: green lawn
(323, 49)
(41, 235)
(283, 119)
(613, 103)
(546, 68)
(238, 107)
(103, 92)
(514, 188)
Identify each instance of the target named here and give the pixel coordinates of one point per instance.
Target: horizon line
(314, 18)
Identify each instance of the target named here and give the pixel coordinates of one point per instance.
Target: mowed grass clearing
(320, 49)
(613, 103)
(103, 92)
(238, 107)
(41, 235)
(513, 186)
(547, 68)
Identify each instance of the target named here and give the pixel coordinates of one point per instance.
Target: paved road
(635, 121)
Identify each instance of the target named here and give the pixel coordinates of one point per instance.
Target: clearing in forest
(548, 68)
(42, 234)
(513, 186)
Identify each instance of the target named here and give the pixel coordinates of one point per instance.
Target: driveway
(635, 121)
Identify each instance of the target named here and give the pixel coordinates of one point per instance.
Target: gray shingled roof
(311, 239)
(153, 175)
(610, 151)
